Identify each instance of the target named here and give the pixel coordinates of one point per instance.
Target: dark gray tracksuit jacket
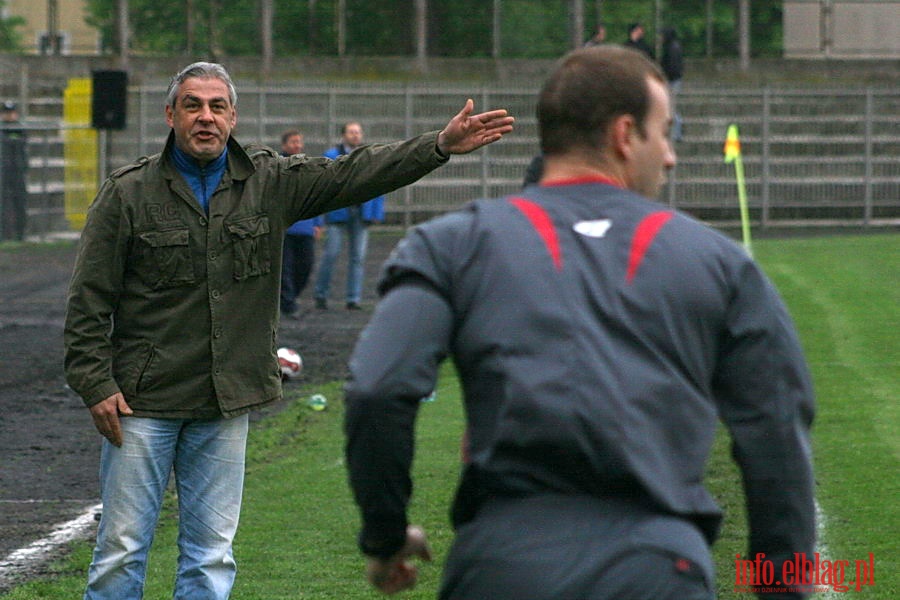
(599, 338)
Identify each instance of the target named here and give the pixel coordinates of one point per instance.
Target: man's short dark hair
(348, 124)
(587, 90)
(289, 134)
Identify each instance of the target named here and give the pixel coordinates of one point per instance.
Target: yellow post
(79, 152)
(733, 154)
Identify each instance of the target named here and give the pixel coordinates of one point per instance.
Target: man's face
(653, 154)
(353, 135)
(202, 118)
(9, 116)
(293, 145)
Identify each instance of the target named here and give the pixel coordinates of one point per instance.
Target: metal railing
(812, 157)
(47, 183)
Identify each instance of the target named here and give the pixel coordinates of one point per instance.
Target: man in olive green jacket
(173, 308)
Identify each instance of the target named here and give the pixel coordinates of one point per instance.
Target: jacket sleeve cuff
(442, 157)
(98, 394)
(382, 537)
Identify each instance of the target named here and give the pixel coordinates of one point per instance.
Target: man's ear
(621, 134)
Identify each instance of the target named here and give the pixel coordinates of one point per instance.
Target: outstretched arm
(769, 420)
(393, 366)
(466, 132)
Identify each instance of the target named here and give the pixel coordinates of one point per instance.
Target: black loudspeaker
(108, 100)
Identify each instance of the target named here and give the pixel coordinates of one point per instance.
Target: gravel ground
(48, 442)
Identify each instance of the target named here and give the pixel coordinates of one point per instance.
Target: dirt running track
(48, 443)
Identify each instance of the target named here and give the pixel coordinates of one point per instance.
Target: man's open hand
(466, 132)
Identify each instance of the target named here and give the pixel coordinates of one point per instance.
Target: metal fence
(812, 157)
(48, 181)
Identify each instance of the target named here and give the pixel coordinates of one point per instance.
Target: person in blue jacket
(352, 223)
(299, 252)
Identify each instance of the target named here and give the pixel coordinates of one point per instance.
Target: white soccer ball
(290, 363)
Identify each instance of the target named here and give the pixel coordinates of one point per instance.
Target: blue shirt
(203, 180)
(305, 226)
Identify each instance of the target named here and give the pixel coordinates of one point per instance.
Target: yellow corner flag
(732, 144)
(733, 155)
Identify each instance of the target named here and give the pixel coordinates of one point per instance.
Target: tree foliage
(462, 28)
(10, 39)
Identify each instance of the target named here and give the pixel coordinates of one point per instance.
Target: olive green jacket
(177, 309)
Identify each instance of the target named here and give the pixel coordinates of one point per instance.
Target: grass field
(297, 536)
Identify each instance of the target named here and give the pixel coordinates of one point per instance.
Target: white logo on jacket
(595, 229)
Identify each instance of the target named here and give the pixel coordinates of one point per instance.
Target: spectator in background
(14, 165)
(598, 38)
(599, 337)
(636, 40)
(299, 253)
(534, 170)
(351, 223)
(672, 63)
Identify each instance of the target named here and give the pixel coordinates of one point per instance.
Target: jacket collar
(239, 167)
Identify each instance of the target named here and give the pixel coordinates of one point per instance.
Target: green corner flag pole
(733, 154)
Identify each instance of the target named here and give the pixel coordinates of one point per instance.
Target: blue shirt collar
(189, 167)
(204, 180)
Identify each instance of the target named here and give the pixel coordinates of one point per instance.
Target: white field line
(36, 553)
(822, 549)
(847, 355)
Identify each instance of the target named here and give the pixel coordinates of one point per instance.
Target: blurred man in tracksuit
(599, 337)
(299, 253)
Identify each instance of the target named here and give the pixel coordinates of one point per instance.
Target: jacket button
(213, 256)
(215, 294)
(217, 333)
(203, 221)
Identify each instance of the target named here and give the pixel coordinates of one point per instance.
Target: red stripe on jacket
(643, 236)
(541, 222)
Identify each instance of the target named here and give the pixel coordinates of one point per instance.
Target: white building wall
(850, 29)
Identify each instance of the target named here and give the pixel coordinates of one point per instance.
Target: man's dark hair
(588, 89)
(669, 34)
(348, 124)
(289, 134)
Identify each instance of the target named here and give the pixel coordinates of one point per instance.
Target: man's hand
(466, 132)
(398, 572)
(106, 417)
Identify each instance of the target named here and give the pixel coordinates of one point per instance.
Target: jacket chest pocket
(251, 246)
(167, 258)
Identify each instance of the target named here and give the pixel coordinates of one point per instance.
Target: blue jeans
(357, 242)
(208, 459)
